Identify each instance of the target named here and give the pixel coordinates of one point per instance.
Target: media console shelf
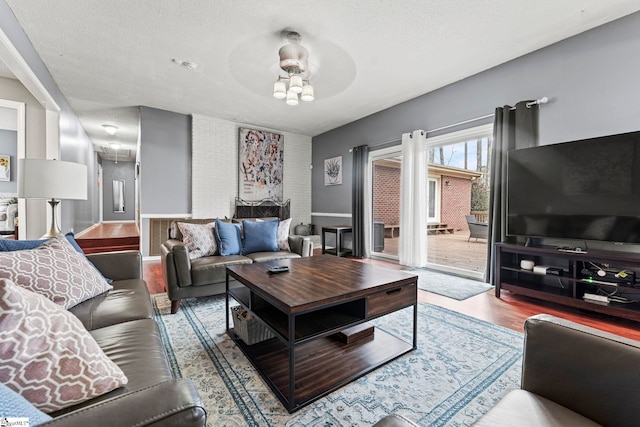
(569, 287)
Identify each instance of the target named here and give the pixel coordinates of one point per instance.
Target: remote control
(278, 269)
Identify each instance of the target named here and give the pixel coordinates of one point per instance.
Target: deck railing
(481, 216)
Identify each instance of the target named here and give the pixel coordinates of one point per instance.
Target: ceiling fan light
(307, 93)
(292, 98)
(295, 84)
(279, 90)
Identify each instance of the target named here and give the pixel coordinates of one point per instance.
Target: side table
(339, 231)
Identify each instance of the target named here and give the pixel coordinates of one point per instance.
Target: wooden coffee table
(305, 307)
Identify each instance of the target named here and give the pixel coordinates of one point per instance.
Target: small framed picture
(333, 171)
(5, 168)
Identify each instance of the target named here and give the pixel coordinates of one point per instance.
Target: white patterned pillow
(199, 239)
(56, 270)
(46, 355)
(283, 234)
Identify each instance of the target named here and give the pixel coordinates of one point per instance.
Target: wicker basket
(248, 328)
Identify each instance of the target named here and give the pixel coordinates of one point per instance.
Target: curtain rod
(542, 100)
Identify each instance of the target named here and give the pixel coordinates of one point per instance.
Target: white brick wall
(214, 180)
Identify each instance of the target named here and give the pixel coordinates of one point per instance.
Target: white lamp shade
(307, 93)
(292, 98)
(51, 179)
(295, 84)
(279, 90)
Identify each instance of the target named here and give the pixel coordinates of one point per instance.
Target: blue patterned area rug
(462, 367)
(448, 285)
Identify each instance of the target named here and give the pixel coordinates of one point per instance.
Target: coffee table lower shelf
(322, 365)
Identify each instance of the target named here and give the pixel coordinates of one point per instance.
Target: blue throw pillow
(19, 245)
(12, 405)
(260, 236)
(228, 238)
(72, 239)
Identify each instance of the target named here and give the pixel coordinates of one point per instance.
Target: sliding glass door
(458, 182)
(458, 190)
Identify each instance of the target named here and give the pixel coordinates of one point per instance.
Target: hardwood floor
(509, 311)
(108, 237)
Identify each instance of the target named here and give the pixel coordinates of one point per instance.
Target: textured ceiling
(110, 56)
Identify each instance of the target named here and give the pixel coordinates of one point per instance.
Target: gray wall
(122, 171)
(591, 79)
(9, 147)
(165, 162)
(75, 145)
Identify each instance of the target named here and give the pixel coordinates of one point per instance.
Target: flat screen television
(582, 190)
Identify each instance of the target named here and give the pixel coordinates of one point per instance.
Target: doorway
(458, 168)
(16, 115)
(458, 183)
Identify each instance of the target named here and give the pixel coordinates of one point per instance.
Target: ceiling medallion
(294, 61)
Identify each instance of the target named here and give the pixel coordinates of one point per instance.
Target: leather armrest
(173, 403)
(583, 369)
(301, 245)
(121, 265)
(176, 259)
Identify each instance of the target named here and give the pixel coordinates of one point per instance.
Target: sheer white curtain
(413, 200)
(368, 229)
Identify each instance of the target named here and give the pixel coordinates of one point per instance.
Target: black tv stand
(569, 288)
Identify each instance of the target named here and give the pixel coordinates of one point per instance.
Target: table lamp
(54, 180)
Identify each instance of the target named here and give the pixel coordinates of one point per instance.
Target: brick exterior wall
(386, 195)
(456, 202)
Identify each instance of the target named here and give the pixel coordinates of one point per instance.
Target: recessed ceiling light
(110, 129)
(187, 64)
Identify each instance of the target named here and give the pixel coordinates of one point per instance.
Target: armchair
(477, 230)
(571, 375)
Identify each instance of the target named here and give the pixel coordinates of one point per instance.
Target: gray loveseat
(187, 278)
(572, 375)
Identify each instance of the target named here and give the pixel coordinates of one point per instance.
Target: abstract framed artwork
(261, 158)
(333, 171)
(5, 168)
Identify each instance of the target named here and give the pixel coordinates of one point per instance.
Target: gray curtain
(360, 158)
(513, 128)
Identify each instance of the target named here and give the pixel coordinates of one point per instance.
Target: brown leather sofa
(572, 375)
(121, 321)
(186, 278)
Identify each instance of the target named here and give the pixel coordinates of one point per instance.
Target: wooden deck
(451, 250)
(107, 237)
